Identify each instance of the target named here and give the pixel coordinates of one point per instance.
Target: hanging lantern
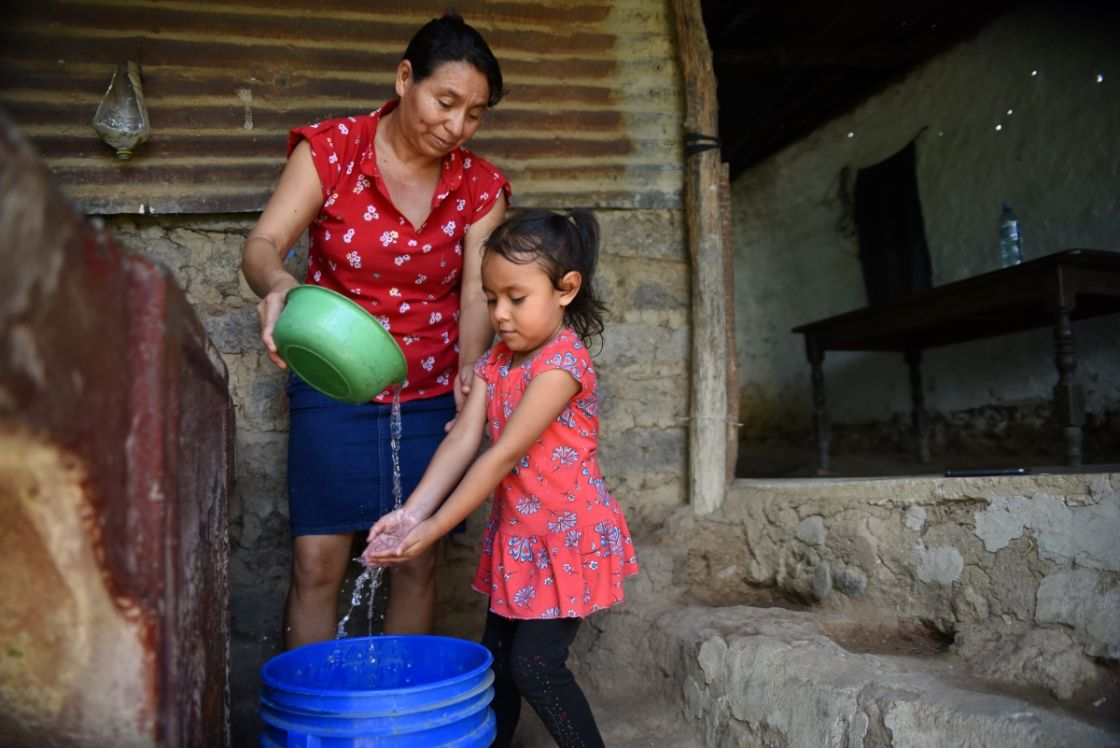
(121, 119)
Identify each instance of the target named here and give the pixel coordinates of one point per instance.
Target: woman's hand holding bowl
(268, 311)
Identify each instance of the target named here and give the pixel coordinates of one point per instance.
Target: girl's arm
(475, 333)
(543, 401)
(452, 457)
(447, 465)
(292, 207)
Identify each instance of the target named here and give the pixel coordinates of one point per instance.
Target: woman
(396, 211)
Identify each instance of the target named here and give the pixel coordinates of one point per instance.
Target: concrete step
(754, 676)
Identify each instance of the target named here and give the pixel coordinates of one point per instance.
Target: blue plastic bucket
(373, 692)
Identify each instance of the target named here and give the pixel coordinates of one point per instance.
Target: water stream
(371, 575)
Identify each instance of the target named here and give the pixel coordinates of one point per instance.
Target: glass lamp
(121, 119)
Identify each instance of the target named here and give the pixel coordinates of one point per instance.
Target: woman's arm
(292, 207)
(543, 401)
(475, 333)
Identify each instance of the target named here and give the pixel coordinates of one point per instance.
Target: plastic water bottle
(1010, 240)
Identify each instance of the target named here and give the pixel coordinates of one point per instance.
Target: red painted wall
(115, 466)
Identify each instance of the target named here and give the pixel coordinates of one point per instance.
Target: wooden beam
(708, 415)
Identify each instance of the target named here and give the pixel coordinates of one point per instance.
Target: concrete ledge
(747, 676)
(922, 488)
(753, 673)
(1021, 573)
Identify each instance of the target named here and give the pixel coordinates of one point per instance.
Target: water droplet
(1034, 73)
(1100, 78)
(1010, 111)
(999, 127)
(851, 134)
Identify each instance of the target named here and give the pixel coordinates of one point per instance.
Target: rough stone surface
(851, 582)
(1046, 658)
(822, 581)
(1073, 597)
(1024, 600)
(1081, 534)
(772, 676)
(938, 565)
(811, 531)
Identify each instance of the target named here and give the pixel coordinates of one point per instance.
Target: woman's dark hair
(451, 39)
(559, 243)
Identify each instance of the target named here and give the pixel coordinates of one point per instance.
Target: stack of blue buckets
(379, 692)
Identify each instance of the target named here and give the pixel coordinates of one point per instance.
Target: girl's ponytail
(585, 313)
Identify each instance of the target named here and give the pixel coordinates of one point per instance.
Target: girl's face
(441, 112)
(525, 308)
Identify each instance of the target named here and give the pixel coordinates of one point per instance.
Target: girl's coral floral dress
(556, 544)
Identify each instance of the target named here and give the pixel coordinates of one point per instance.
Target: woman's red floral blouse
(408, 277)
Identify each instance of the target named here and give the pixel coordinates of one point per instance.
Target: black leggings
(530, 660)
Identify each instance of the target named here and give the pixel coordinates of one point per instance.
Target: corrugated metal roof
(592, 116)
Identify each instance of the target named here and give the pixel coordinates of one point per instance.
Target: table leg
(821, 427)
(919, 418)
(1069, 402)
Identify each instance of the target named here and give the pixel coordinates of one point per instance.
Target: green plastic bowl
(336, 346)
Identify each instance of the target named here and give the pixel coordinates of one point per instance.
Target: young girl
(556, 546)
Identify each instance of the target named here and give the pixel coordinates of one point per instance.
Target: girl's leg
(498, 638)
(539, 669)
(318, 565)
(412, 596)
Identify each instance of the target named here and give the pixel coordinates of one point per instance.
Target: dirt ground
(625, 722)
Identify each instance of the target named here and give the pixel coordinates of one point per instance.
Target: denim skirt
(340, 463)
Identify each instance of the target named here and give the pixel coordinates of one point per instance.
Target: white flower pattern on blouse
(356, 242)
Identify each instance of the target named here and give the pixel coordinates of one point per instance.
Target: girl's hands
(398, 537)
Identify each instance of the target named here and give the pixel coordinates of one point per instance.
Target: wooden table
(1052, 290)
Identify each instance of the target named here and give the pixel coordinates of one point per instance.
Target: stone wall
(884, 612)
(643, 367)
(1033, 73)
(1020, 575)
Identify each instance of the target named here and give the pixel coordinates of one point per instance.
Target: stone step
(752, 674)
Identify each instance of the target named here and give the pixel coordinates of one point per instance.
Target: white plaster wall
(1056, 157)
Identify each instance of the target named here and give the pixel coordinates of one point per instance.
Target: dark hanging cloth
(892, 238)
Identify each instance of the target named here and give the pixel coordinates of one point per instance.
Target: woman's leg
(539, 668)
(412, 596)
(498, 638)
(318, 565)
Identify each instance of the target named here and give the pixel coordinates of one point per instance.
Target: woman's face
(441, 112)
